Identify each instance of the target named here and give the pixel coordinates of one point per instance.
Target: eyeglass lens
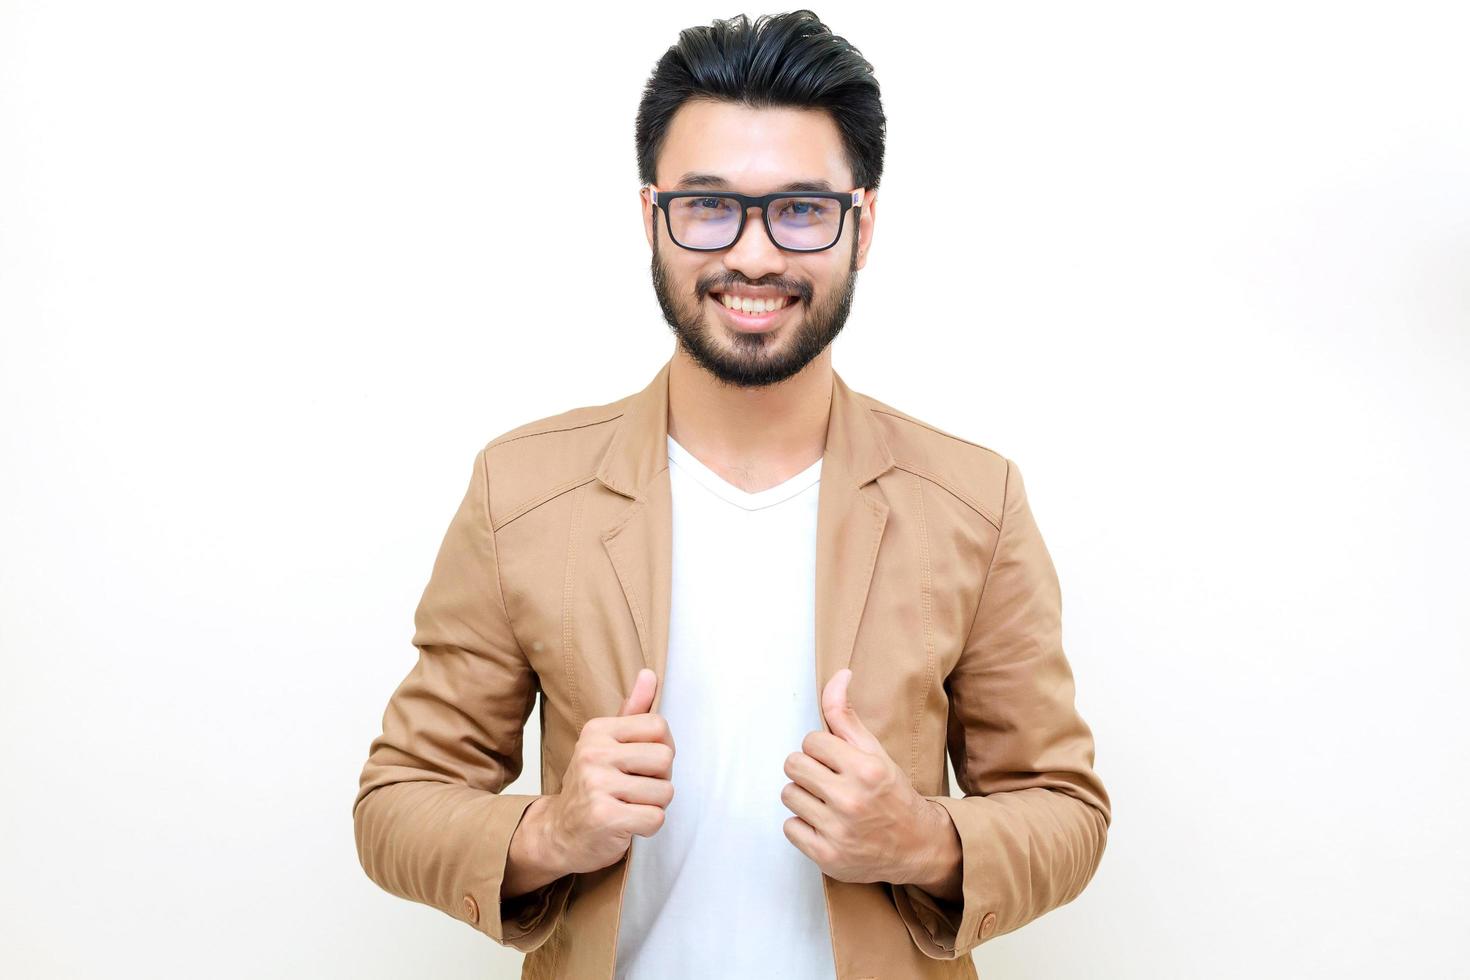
(796, 222)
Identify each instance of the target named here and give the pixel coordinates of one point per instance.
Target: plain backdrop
(271, 274)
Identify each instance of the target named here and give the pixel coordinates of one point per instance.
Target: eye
(804, 209)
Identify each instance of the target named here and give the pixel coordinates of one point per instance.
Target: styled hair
(789, 60)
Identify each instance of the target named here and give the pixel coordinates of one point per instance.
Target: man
(747, 581)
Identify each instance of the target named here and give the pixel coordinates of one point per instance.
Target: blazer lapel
(639, 541)
(851, 516)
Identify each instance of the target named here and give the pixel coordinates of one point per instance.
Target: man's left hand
(857, 815)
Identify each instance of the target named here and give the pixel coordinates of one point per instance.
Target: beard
(753, 360)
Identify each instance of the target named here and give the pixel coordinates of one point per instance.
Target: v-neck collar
(716, 484)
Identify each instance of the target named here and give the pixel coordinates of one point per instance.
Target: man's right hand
(617, 784)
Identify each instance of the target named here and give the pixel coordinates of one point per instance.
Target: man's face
(756, 151)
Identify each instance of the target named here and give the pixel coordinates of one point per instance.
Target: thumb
(843, 717)
(641, 699)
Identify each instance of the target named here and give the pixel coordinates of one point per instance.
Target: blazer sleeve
(431, 822)
(1034, 818)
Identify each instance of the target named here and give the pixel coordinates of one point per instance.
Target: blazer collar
(851, 517)
(855, 454)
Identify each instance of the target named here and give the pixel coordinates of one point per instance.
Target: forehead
(756, 150)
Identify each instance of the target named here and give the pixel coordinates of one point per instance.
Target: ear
(866, 218)
(649, 213)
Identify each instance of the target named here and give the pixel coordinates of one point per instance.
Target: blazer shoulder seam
(495, 553)
(990, 565)
(948, 485)
(528, 430)
(546, 496)
(891, 412)
(954, 491)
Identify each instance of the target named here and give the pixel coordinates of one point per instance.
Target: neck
(753, 437)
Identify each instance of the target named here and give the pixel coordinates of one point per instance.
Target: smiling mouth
(754, 308)
(753, 312)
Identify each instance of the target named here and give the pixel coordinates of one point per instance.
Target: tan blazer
(552, 583)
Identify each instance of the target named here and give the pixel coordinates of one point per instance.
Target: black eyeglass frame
(849, 200)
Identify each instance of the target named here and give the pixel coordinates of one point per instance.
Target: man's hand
(857, 815)
(618, 785)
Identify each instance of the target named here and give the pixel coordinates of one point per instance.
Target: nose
(754, 254)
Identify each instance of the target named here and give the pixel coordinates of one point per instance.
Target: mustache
(801, 290)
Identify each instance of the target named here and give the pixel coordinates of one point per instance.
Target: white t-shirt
(719, 892)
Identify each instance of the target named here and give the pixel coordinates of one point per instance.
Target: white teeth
(747, 305)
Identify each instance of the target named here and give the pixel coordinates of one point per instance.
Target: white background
(272, 273)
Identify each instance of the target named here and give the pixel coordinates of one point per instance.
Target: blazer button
(471, 909)
(987, 925)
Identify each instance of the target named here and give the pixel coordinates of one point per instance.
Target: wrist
(543, 844)
(534, 860)
(937, 869)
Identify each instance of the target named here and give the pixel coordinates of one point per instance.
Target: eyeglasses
(705, 221)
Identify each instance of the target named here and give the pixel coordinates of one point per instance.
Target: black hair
(789, 60)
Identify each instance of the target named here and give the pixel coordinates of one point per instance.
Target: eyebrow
(692, 180)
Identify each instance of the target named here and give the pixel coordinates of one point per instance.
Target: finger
(641, 697)
(837, 754)
(806, 806)
(843, 717)
(811, 775)
(641, 789)
(802, 836)
(642, 819)
(643, 759)
(641, 728)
